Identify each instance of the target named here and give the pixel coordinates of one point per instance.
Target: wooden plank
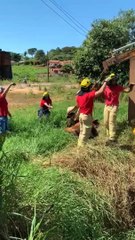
(132, 71)
(118, 59)
(131, 106)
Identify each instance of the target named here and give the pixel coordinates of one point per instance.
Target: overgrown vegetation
(55, 192)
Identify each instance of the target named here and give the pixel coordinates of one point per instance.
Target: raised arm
(101, 89)
(4, 93)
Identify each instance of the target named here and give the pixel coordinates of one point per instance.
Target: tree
(32, 51)
(67, 68)
(104, 36)
(25, 54)
(66, 53)
(41, 57)
(15, 57)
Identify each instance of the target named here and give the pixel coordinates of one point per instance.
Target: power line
(62, 17)
(69, 16)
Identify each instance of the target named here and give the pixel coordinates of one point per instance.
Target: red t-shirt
(48, 101)
(111, 95)
(86, 102)
(3, 106)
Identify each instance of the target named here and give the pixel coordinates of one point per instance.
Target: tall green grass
(33, 137)
(77, 210)
(68, 206)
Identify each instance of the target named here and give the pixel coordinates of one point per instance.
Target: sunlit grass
(39, 74)
(32, 137)
(78, 194)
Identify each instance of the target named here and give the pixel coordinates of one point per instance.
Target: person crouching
(45, 106)
(72, 117)
(73, 125)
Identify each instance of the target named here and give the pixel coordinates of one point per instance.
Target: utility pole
(47, 67)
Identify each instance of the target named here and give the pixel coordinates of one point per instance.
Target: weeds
(35, 233)
(10, 165)
(90, 193)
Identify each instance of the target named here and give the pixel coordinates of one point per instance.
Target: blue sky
(26, 24)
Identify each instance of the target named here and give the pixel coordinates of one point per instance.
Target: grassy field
(28, 73)
(49, 190)
(35, 74)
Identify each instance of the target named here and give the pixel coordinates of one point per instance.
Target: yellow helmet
(45, 94)
(134, 131)
(85, 83)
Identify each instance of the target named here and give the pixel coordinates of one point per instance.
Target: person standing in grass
(4, 112)
(85, 103)
(45, 105)
(111, 95)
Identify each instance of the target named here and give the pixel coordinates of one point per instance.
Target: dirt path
(23, 95)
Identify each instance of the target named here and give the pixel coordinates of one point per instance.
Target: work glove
(111, 76)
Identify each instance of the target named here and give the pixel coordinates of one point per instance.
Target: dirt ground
(23, 95)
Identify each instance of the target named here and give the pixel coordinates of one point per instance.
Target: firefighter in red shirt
(85, 103)
(4, 113)
(111, 96)
(45, 105)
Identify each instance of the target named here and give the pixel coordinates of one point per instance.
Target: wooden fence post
(131, 104)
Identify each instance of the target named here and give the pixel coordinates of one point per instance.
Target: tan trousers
(110, 113)
(85, 128)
